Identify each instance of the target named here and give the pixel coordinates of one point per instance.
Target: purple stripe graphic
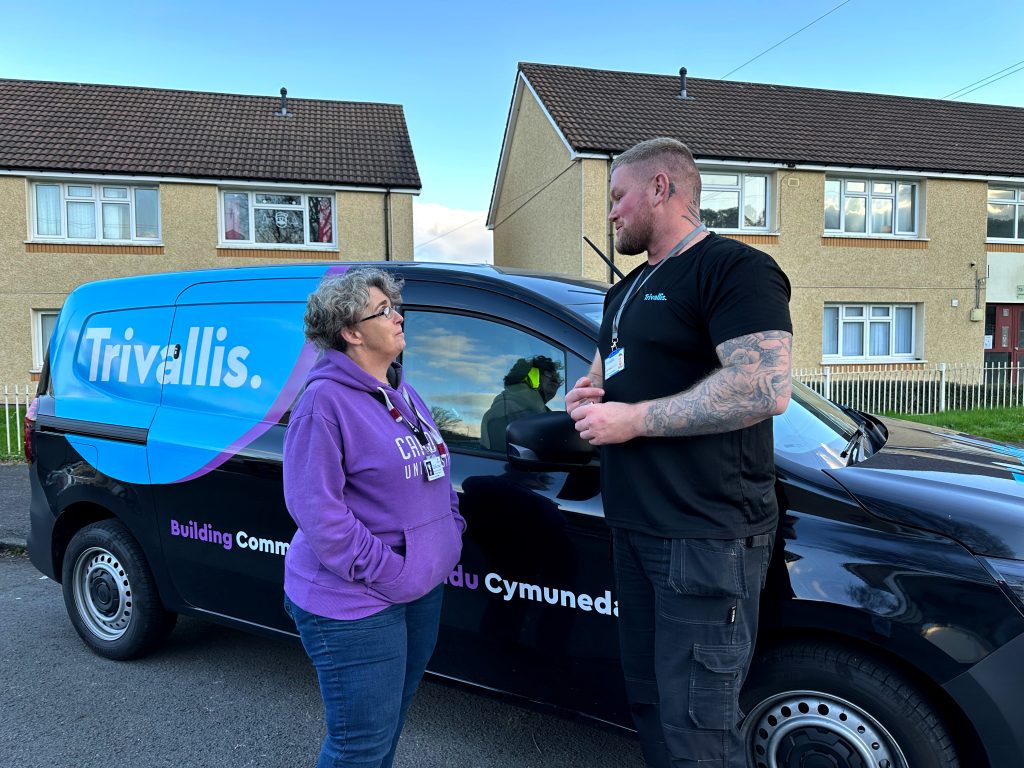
(296, 379)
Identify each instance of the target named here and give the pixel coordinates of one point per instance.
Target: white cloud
(450, 234)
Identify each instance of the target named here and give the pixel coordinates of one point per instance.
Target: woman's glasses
(386, 312)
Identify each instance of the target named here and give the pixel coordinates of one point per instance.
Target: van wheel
(818, 705)
(110, 593)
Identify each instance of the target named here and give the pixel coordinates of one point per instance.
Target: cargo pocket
(715, 685)
(708, 567)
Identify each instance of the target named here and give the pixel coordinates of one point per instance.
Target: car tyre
(110, 593)
(809, 703)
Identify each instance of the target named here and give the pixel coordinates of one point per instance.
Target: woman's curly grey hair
(339, 302)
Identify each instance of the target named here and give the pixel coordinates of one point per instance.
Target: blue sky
(452, 65)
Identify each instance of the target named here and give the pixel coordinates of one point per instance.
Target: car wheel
(809, 704)
(110, 593)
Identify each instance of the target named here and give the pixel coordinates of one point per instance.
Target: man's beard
(635, 239)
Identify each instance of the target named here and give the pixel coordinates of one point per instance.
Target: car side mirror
(547, 442)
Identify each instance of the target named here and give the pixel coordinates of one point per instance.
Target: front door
(1007, 334)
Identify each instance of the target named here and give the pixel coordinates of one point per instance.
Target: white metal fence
(16, 398)
(927, 389)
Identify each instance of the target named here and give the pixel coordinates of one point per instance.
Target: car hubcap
(103, 594)
(814, 730)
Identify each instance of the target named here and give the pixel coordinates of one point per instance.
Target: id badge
(614, 363)
(434, 468)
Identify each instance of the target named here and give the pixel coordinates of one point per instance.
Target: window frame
(38, 350)
(869, 195)
(740, 187)
(1017, 205)
(866, 319)
(251, 194)
(97, 198)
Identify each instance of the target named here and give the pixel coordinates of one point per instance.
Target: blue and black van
(893, 619)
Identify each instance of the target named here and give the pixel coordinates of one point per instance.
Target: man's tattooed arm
(752, 385)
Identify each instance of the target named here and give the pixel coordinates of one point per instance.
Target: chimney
(284, 104)
(682, 84)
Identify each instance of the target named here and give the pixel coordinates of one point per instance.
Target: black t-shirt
(706, 486)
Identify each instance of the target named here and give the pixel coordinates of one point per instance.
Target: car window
(479, 375)
(813, 431)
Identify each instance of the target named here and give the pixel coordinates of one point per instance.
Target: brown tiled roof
(151, 131)
(608, 112)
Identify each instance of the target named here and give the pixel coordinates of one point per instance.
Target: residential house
(101, 181)
(895, 218)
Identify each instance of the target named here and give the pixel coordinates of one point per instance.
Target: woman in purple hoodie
(367, 480)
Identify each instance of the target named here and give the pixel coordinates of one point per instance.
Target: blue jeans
(687, 625)
(369, 670)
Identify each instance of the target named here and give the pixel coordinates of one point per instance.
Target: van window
(478, 375)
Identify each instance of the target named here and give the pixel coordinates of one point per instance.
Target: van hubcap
(103, 594)
(815, 730)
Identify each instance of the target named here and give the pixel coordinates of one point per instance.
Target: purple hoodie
(355, 484)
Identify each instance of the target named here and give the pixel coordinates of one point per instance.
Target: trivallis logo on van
(202, 362)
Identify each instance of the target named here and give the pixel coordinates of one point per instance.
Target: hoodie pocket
(432, 550)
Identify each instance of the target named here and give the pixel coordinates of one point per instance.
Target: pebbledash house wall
(930, 271)
(538, 220)
(39, 276)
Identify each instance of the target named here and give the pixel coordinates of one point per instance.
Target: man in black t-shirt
(692, 363)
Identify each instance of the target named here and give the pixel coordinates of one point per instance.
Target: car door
(216, 446)
(530, 609)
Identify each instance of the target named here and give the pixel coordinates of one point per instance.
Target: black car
(892, 631)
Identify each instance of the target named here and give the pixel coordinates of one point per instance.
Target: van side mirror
(547, 442)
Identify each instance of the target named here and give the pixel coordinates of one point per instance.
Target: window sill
(862, 236)
(866, 361)
(276, 247)
(96, 243)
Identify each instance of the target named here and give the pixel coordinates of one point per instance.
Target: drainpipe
(611, 229)
(387, 224)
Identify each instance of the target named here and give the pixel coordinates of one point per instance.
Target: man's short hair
(672, 154)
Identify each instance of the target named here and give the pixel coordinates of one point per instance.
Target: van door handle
(177, 351)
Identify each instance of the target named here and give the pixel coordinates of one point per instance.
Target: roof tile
(608, 112)
(51, 126)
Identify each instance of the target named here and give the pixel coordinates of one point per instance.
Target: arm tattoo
(752, 385)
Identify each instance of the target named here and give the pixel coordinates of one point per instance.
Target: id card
(434, 468)
(614, 363)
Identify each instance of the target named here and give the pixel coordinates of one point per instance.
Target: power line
(454, 229)
(982, 79)
(993, 80)
(531, 192)
(762, 53)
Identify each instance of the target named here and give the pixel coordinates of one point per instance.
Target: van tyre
(811, 704)
(110, 593)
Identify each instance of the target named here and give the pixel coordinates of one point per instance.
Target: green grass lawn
(1005, 424)
(15, 426)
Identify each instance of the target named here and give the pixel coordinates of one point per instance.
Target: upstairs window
(277, 218)
(1006, 213)
(869, 332)
(871, 207)
(95, 212)
(734, 201)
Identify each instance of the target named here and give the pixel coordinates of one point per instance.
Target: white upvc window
(869, 332)
(1005, 212)
(735, 201)
(880, 207)
(43, 323)
(106, 213)
(272, 218)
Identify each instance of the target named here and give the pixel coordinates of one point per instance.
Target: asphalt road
(213, 696)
